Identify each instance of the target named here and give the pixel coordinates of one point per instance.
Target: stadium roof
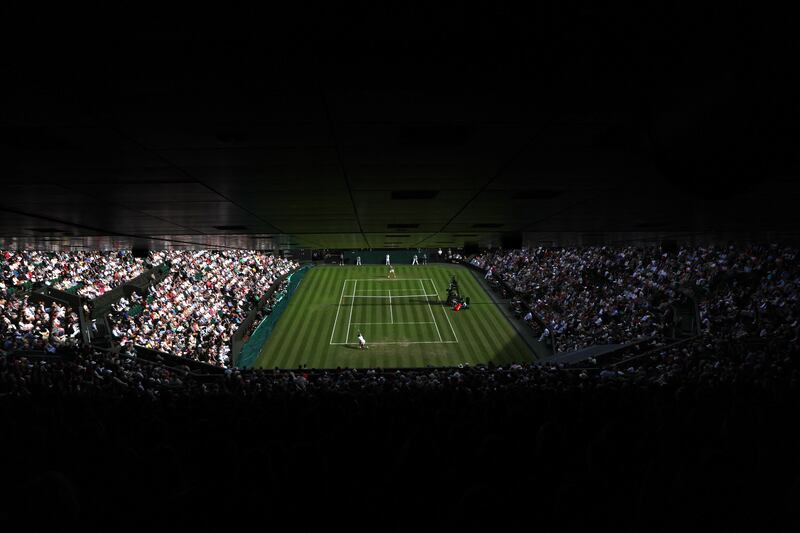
(270, 131)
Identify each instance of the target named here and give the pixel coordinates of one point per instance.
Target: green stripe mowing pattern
(402, 320)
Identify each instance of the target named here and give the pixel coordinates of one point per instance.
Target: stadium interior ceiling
(273, 134)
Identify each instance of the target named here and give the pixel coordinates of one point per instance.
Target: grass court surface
(403, 321)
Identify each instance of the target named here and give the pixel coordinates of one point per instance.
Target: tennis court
(402, 320)
(392, 311)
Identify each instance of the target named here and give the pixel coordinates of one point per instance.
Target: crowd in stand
(597, 295)
(89, 274)
(195, 310)
(86, 371)
(119, 373)
(26, 325)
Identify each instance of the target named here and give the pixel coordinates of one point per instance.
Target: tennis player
(391, 275)
(362, 343)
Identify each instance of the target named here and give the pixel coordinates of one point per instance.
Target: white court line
(384, 290)
(337, 310)
(446, 314)
(398, 342)
(350, 320)
(391, 316)
(431, 310)
(396, 297)
(384, 279)
(435, 289)
(387, 323)
(354, 295)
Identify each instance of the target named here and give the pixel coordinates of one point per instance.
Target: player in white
(391, 273)
(358, 261)
(415, 260)
(362, 343)
(387, 260)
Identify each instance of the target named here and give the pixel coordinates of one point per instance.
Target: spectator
(604, 295)
(195, 310)
(89, 274)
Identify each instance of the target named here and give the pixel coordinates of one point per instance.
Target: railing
(654, 350)
(140, 285)
(196, 370)
(74, 301)
(171, 361)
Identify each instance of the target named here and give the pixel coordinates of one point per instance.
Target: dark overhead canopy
(315, 129)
